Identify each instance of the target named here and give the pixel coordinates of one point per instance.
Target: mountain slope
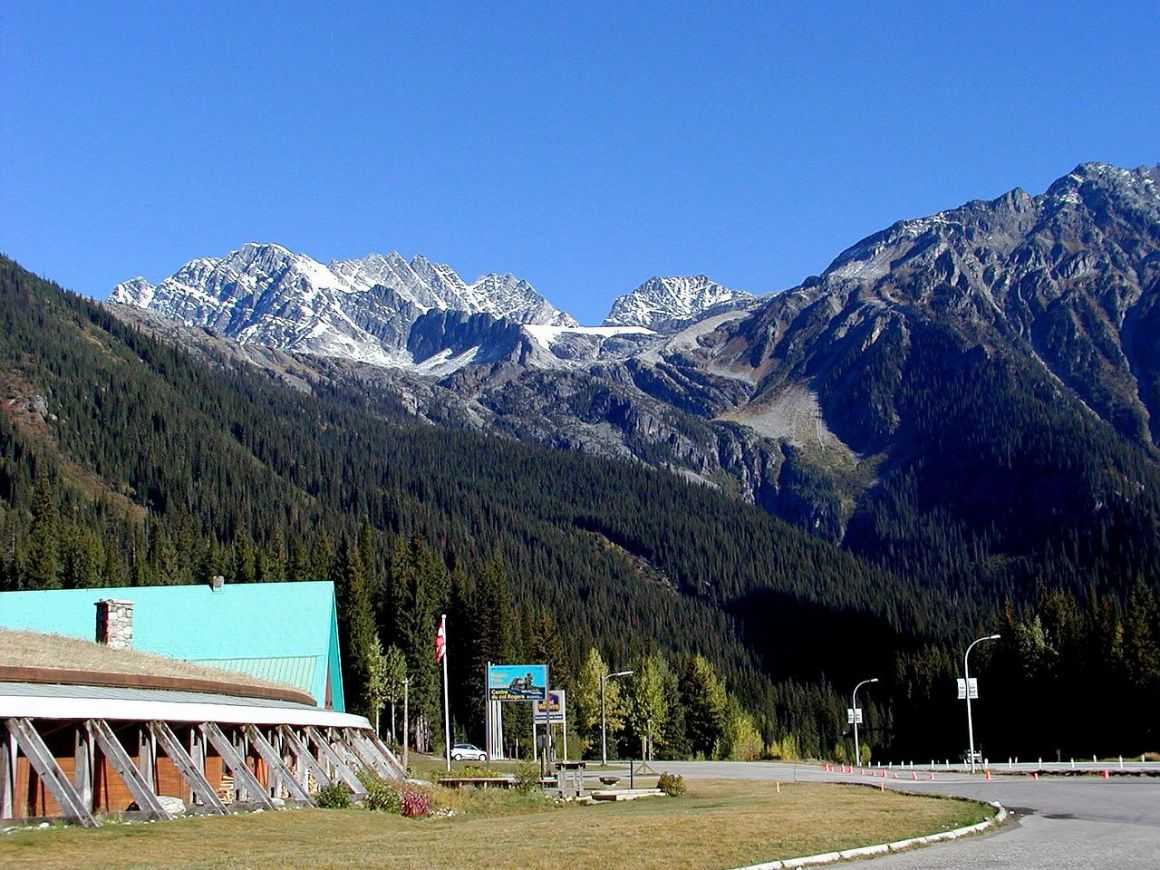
(989, 363)
(969, 398)
(159, 467)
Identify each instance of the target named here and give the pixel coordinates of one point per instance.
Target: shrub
(672, 784)
(527, 777)
(415, 803)
(383, 797)
(479, 771)
(334, 797)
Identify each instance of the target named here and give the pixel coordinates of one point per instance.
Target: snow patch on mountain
(546, 334)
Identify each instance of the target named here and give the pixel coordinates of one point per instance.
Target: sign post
(505, 684)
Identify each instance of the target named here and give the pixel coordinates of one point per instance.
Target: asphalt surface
(1057, 821)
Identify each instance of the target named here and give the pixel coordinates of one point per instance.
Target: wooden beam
(306, 759)
(122, 762)
(190, 771)
(338, 743)
(30, 743)
(341, 766)
(381, 745)
(7, 774)
(147, 757)
(83, 764)
(275, 763)
(367, 754)
(236, 764)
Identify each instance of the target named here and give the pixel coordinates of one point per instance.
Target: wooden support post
(275, 764)
(306, 760)
(190, 771)
(83, 764)
(236, 764)
(147, 757)
(121, 762)
(7, 774)
(337, 742)
(385, 751)
(341, 766)
(368, 753)
(30, 743)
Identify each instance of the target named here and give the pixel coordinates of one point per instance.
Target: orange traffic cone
(1106, 774)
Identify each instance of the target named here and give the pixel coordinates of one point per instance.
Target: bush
(415, 803)
(382, 796)
(334, 797)
(478, 771)
(672, 784)
(527, 776)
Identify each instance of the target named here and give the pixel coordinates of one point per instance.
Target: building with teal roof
(285, 632)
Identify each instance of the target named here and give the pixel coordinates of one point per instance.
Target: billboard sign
(551, 711)
(517, 682)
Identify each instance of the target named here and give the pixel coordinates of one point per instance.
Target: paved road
(1058, 822)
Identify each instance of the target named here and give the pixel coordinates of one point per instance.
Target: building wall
(31, 799)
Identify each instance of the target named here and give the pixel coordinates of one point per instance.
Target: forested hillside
(122, 460)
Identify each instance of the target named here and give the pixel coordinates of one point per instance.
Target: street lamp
(854, 715)
(603, 719)
(967, 681)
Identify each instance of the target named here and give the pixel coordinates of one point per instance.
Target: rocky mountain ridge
(948, 379)
(367, 309)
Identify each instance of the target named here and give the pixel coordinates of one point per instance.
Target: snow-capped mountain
(661, 302)
(357, 309)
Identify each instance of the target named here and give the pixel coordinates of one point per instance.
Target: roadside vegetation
(715, 824)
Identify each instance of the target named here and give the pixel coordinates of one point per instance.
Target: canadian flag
(441, 639)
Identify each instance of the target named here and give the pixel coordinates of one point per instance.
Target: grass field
(717, 824)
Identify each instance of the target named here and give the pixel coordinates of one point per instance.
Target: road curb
(882, 848)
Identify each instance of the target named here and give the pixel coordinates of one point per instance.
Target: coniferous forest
(123, 461)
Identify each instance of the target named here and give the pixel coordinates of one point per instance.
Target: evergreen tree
(42, 567)
(704, 699)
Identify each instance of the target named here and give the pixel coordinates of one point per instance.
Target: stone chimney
(115, 623)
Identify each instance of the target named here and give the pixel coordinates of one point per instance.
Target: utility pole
(967, 680)
(855, 716)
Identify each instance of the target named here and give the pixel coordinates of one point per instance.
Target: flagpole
(446, 701)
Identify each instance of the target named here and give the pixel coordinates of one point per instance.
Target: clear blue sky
(583, 147)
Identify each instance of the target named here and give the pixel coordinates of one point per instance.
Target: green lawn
(717, 824)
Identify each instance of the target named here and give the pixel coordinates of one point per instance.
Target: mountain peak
(664, 300)
(264, 293)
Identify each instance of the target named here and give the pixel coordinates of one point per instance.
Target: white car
(466, 751)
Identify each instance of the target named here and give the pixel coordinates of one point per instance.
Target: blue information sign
(517, 682)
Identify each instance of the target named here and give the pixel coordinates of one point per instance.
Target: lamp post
(854, 715)
(967, 680)
(603, 719)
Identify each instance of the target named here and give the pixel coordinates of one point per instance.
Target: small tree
(375, 686)
(394, 675)
(584, 700)
(649, 700)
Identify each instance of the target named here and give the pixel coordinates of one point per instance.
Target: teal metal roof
(286, 632)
